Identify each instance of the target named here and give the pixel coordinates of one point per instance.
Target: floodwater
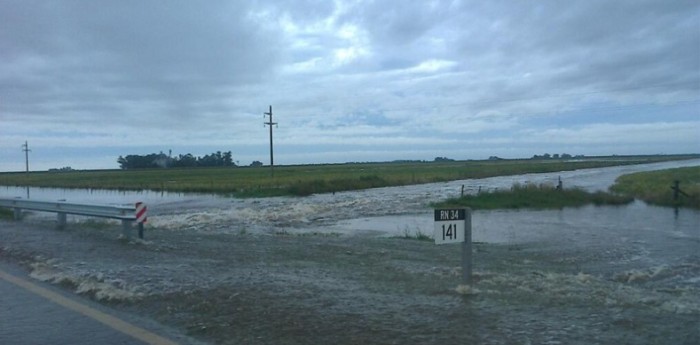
(404, 211)
(631, 235)
(624, 274)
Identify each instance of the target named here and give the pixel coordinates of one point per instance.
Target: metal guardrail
(125, 213)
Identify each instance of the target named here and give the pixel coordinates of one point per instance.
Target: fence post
(676, 188)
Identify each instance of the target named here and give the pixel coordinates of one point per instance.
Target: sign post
(455, 226)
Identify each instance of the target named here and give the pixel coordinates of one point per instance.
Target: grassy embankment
(534, 197)
(655, 186)
(305, 179)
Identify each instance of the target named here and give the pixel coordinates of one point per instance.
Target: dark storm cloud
(98, 54)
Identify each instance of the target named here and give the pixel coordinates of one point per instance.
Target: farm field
(303, 180)
(534, 197)
(654, 186)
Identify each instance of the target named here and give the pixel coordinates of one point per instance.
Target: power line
(272, 157)
(26, 150)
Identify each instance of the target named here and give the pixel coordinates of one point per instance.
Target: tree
(187, 160)
(216, 159)
(228, 159)
(162, 160)
(123, 163)
(256, 164)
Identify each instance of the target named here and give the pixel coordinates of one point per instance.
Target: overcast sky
(86, 81)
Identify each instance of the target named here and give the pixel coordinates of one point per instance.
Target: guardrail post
(61, 221)
(126, 229)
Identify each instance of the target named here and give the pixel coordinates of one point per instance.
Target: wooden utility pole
(26, 150)
(272, 157)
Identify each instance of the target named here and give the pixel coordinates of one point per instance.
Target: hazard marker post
(455, 226)
(141, 217)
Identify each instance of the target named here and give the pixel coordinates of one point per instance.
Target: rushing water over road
(656, 233)
(612, 271)
(392, 210)
(399, 211)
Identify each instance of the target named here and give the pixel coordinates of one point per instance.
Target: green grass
(534, 197)
(304, 179)
(655, 186)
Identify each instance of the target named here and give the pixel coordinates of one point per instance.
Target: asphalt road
(33, 312)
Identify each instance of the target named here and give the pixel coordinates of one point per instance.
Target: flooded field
(339, 269)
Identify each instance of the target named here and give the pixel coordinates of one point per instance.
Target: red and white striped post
(141, 217)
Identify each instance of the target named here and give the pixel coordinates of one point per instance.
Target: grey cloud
(573, 47)
(174, 53)
(301, 11)
(399, 24)
(189, 67)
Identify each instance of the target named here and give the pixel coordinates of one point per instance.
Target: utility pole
(26, 150)
(272, 157)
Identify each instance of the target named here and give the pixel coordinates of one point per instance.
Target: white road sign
(449, 226)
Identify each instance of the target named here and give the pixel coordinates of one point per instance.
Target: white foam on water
(277, 212)
(93, 284)
(467, 290)
(632, 276)
(109, 291)
(593, 289)
(199, 220)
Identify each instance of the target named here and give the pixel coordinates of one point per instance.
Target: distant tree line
(64, 169)
(557, 156)
(161, 160)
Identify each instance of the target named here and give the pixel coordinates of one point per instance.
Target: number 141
(449, 231)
